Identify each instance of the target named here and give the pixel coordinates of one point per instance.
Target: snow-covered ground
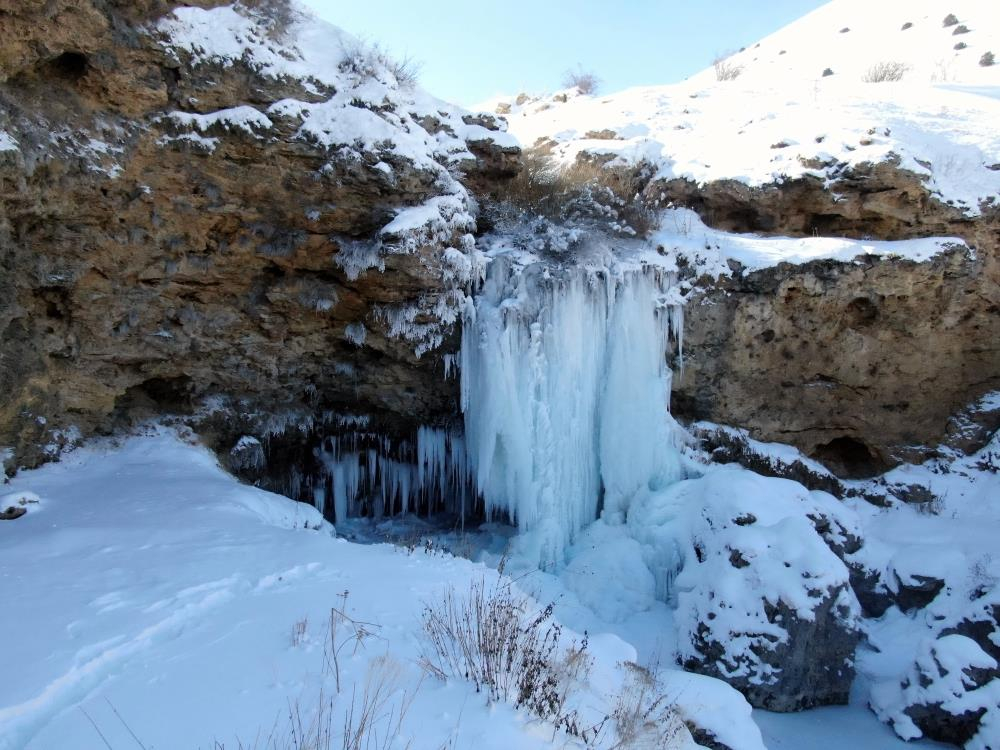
(149, 592)
(148, 588)
(708, 251)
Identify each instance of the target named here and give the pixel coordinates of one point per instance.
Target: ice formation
(565, 389)
(565, 393)
(365, 474)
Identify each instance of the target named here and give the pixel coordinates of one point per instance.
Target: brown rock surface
(858, 364)
(140, 276)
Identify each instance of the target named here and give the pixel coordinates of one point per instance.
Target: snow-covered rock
(761, 599)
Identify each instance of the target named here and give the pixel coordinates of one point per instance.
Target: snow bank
(708, 251)
(245, 118)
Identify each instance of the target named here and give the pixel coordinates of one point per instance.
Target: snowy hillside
(934, 41)
(780, 119)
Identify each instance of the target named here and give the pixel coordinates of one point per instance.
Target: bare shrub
(886, 72)
(987, 60)
(373, 720)
(586, 193)
(493, 637)
(375, 717)
(278, 15)
(950, 20)
(345, 632)
(960, 29)
(372, 61)
(726, 69)
(584, 81)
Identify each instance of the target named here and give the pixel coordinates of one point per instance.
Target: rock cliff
(860, 364)
(190, 202)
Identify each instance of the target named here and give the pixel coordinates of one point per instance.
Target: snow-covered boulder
(951, 691)
(762, 600)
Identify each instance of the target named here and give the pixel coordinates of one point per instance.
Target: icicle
(565, 391)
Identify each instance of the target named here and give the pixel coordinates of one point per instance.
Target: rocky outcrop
(763, 600)
(876, 200)
(855, 363)
(950, 692)
(190, 233)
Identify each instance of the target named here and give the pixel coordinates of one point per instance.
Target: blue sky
(471, 51)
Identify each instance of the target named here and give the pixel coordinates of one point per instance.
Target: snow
(7, 142)
(953, 540)
(431, 223)
(802, 50)
(709, 251)
(245, 118)
(365, 108)
(158, 583)
(689, 533)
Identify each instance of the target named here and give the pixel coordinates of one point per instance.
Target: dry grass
(495, 639)
(345, 632)
(642, 714)
(278, 15)
(299, 632)
(368, 60)
(586, 193)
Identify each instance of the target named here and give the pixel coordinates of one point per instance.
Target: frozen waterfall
(565, 394)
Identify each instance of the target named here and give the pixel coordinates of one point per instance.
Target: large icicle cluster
(565, 392)
(365, 474)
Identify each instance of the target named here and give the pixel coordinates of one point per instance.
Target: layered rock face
(190, 202)
(857, 364)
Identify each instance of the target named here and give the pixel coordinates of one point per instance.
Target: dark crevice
(849, 458)
(69, 66)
